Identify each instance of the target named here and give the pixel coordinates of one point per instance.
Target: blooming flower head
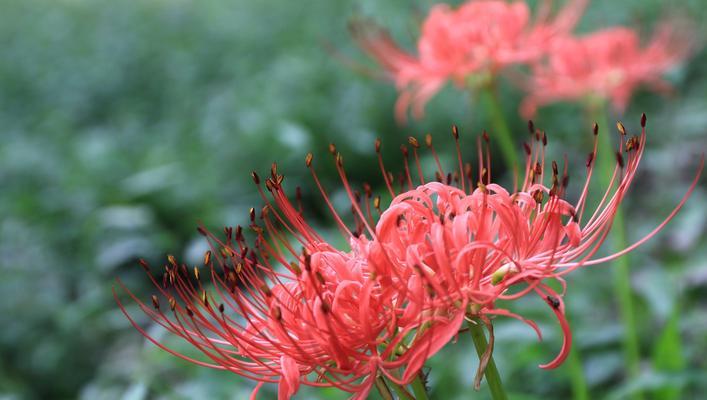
(458, 245)
(607, 65)
(480, 37)
(289, 308)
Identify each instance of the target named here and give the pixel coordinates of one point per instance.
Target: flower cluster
(607, 65)
(471, 44)
(287, 307)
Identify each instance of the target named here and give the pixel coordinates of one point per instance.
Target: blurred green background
(124, 123)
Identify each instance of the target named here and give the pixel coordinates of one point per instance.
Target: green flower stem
(402, 393)
(606, 162)
(492, 377)
(383, 389)
(580, 390)
(501, 132)
(418, 388)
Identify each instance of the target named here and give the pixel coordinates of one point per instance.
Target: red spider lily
(442, 252)
(457, 249)
(480, 37)
(607, 65)
(272, 313)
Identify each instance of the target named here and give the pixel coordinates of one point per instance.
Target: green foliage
(125, 123)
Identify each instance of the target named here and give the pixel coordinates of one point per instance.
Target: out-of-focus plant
(470, 46)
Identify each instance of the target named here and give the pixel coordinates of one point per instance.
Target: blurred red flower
(477, 39)
(608, 65)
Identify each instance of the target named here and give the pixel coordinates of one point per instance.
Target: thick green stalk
(492, 376)
(383, 389)
(402, 393)
(580, 390)
(606, 162)
(501, 132)
(418, 389)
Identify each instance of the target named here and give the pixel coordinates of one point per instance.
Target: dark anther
(295, 268)
(202, 231)
(554, 168)
(221, 308)
(632, 143)
(485, 136)
(620, 159)
(526, 147)
(455, 132)
(643, 120)
(326, 308)
(266, 290)
(144, 264)
(531, 126)
(565, 181)
(544, 139)
(590, 158)
(320, 278)
(367, 189)
(155, 302)
(307, 262)
(538, 196)
(404, 150)
(621, 128)
(595, 129)
(256, 178)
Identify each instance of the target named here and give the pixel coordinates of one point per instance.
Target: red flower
(442, 252)
(606, 65)
(454, 250)
(480, 37)
(272, 313)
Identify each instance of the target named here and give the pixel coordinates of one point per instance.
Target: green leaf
(668, 356)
